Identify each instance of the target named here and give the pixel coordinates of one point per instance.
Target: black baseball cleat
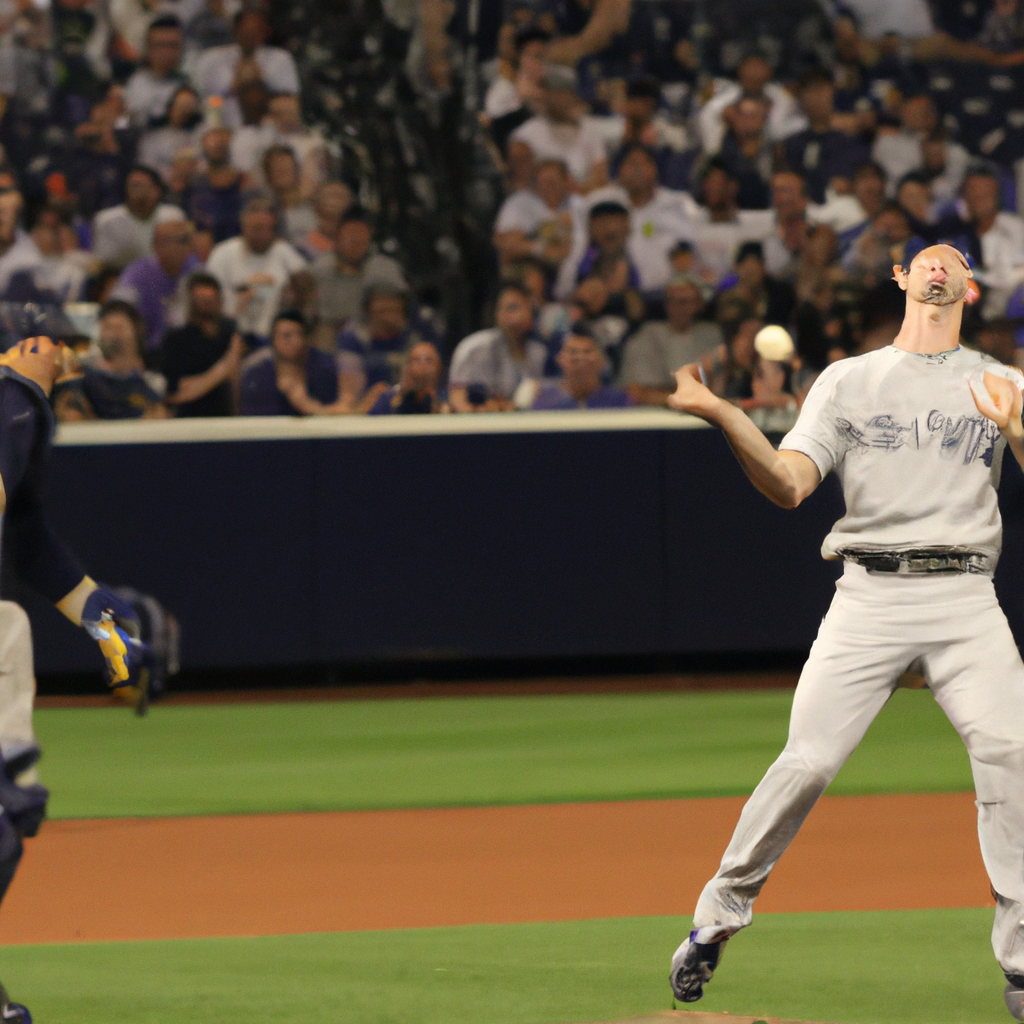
(1014, 995)
(12, 1013)
(692, 967)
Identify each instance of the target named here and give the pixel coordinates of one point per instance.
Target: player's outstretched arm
(783, 477)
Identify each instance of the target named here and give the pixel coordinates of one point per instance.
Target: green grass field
(925, 967)
(225, 759)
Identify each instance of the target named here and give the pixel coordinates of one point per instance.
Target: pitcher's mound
(689, 1017)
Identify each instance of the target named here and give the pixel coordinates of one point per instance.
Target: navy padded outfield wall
(541, 535)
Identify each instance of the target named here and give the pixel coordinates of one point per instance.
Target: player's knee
(818, 766)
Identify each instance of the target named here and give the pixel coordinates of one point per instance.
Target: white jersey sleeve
(816, 433)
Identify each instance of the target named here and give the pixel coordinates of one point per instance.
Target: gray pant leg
(851, 672)
(978, 680)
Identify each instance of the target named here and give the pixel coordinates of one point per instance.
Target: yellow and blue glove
(110, 622)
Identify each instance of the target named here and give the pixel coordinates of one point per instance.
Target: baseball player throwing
(916, 433)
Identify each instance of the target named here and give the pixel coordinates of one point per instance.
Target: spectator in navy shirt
(371, 350)
(419, 388)
(820, 153)
(291, 378)
(583, 364)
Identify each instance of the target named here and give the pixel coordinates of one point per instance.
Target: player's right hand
(691, 394)
(999, 397)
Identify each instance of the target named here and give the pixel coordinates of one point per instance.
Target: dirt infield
(142, 878)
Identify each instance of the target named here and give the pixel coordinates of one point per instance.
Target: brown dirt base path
(164, 878)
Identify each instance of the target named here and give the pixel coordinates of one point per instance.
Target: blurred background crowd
(424, 206)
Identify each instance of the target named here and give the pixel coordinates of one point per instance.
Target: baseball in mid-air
(774, 343)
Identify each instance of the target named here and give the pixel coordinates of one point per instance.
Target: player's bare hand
(1000, 400)
(691, 395)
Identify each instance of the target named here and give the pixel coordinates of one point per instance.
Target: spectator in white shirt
(657, 214)
(519, 84)
(490, 367)
(718, 228)
(123, 234)
(1000, 268)
(254, 269)
(148, 93)
(177, 130)
(754, 76)
(539, 221)
(221, 68)
(561, 133)
(900, 152)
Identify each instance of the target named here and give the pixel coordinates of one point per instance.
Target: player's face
(937, 277)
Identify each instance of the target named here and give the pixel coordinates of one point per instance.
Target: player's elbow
(789, 497)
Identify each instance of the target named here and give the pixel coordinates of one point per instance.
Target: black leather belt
(921, 561)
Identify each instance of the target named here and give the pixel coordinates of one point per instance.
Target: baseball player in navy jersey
(28, 373)
(916, 433)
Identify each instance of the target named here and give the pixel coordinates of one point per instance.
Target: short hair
(291, 316)
(164, 21)
(154, 176)
(356, 213)
(632, 147)
(278, 149)
(260, 204)
(755, 249)
(531, 34)
(204, 279)
(644, 87)
(981, 171)
(608, 208)
(384, 290)
(121, 307)
(716, 163)
(915, 178)
(513, 286)
(814, 76)
(869, 167)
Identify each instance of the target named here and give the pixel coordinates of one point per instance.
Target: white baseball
(774, 343)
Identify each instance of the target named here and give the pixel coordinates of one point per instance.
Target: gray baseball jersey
(918, 463)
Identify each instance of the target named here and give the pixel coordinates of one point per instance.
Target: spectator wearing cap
(290, 377)
(754, 78)
(583, 364)
(418, 390)
(718, 227)
(220, 68)
(660, 347)
(148, 92)
(345, 273)
(643, 124)
(117, 385)
(747, 152)
(370, 349)
(606, 257)
(254, 268)
(489, 367)
(770, 300)
(826, 158)
(657, 214)
(177, 129)
(561, 133)
(156, 284)
(214, 199)
(124, 233)
(992, 236)
(201, 359)
(539, 221)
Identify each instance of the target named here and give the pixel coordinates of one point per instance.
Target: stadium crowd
(670, 185)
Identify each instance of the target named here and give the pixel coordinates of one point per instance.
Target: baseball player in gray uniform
(916, 433)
